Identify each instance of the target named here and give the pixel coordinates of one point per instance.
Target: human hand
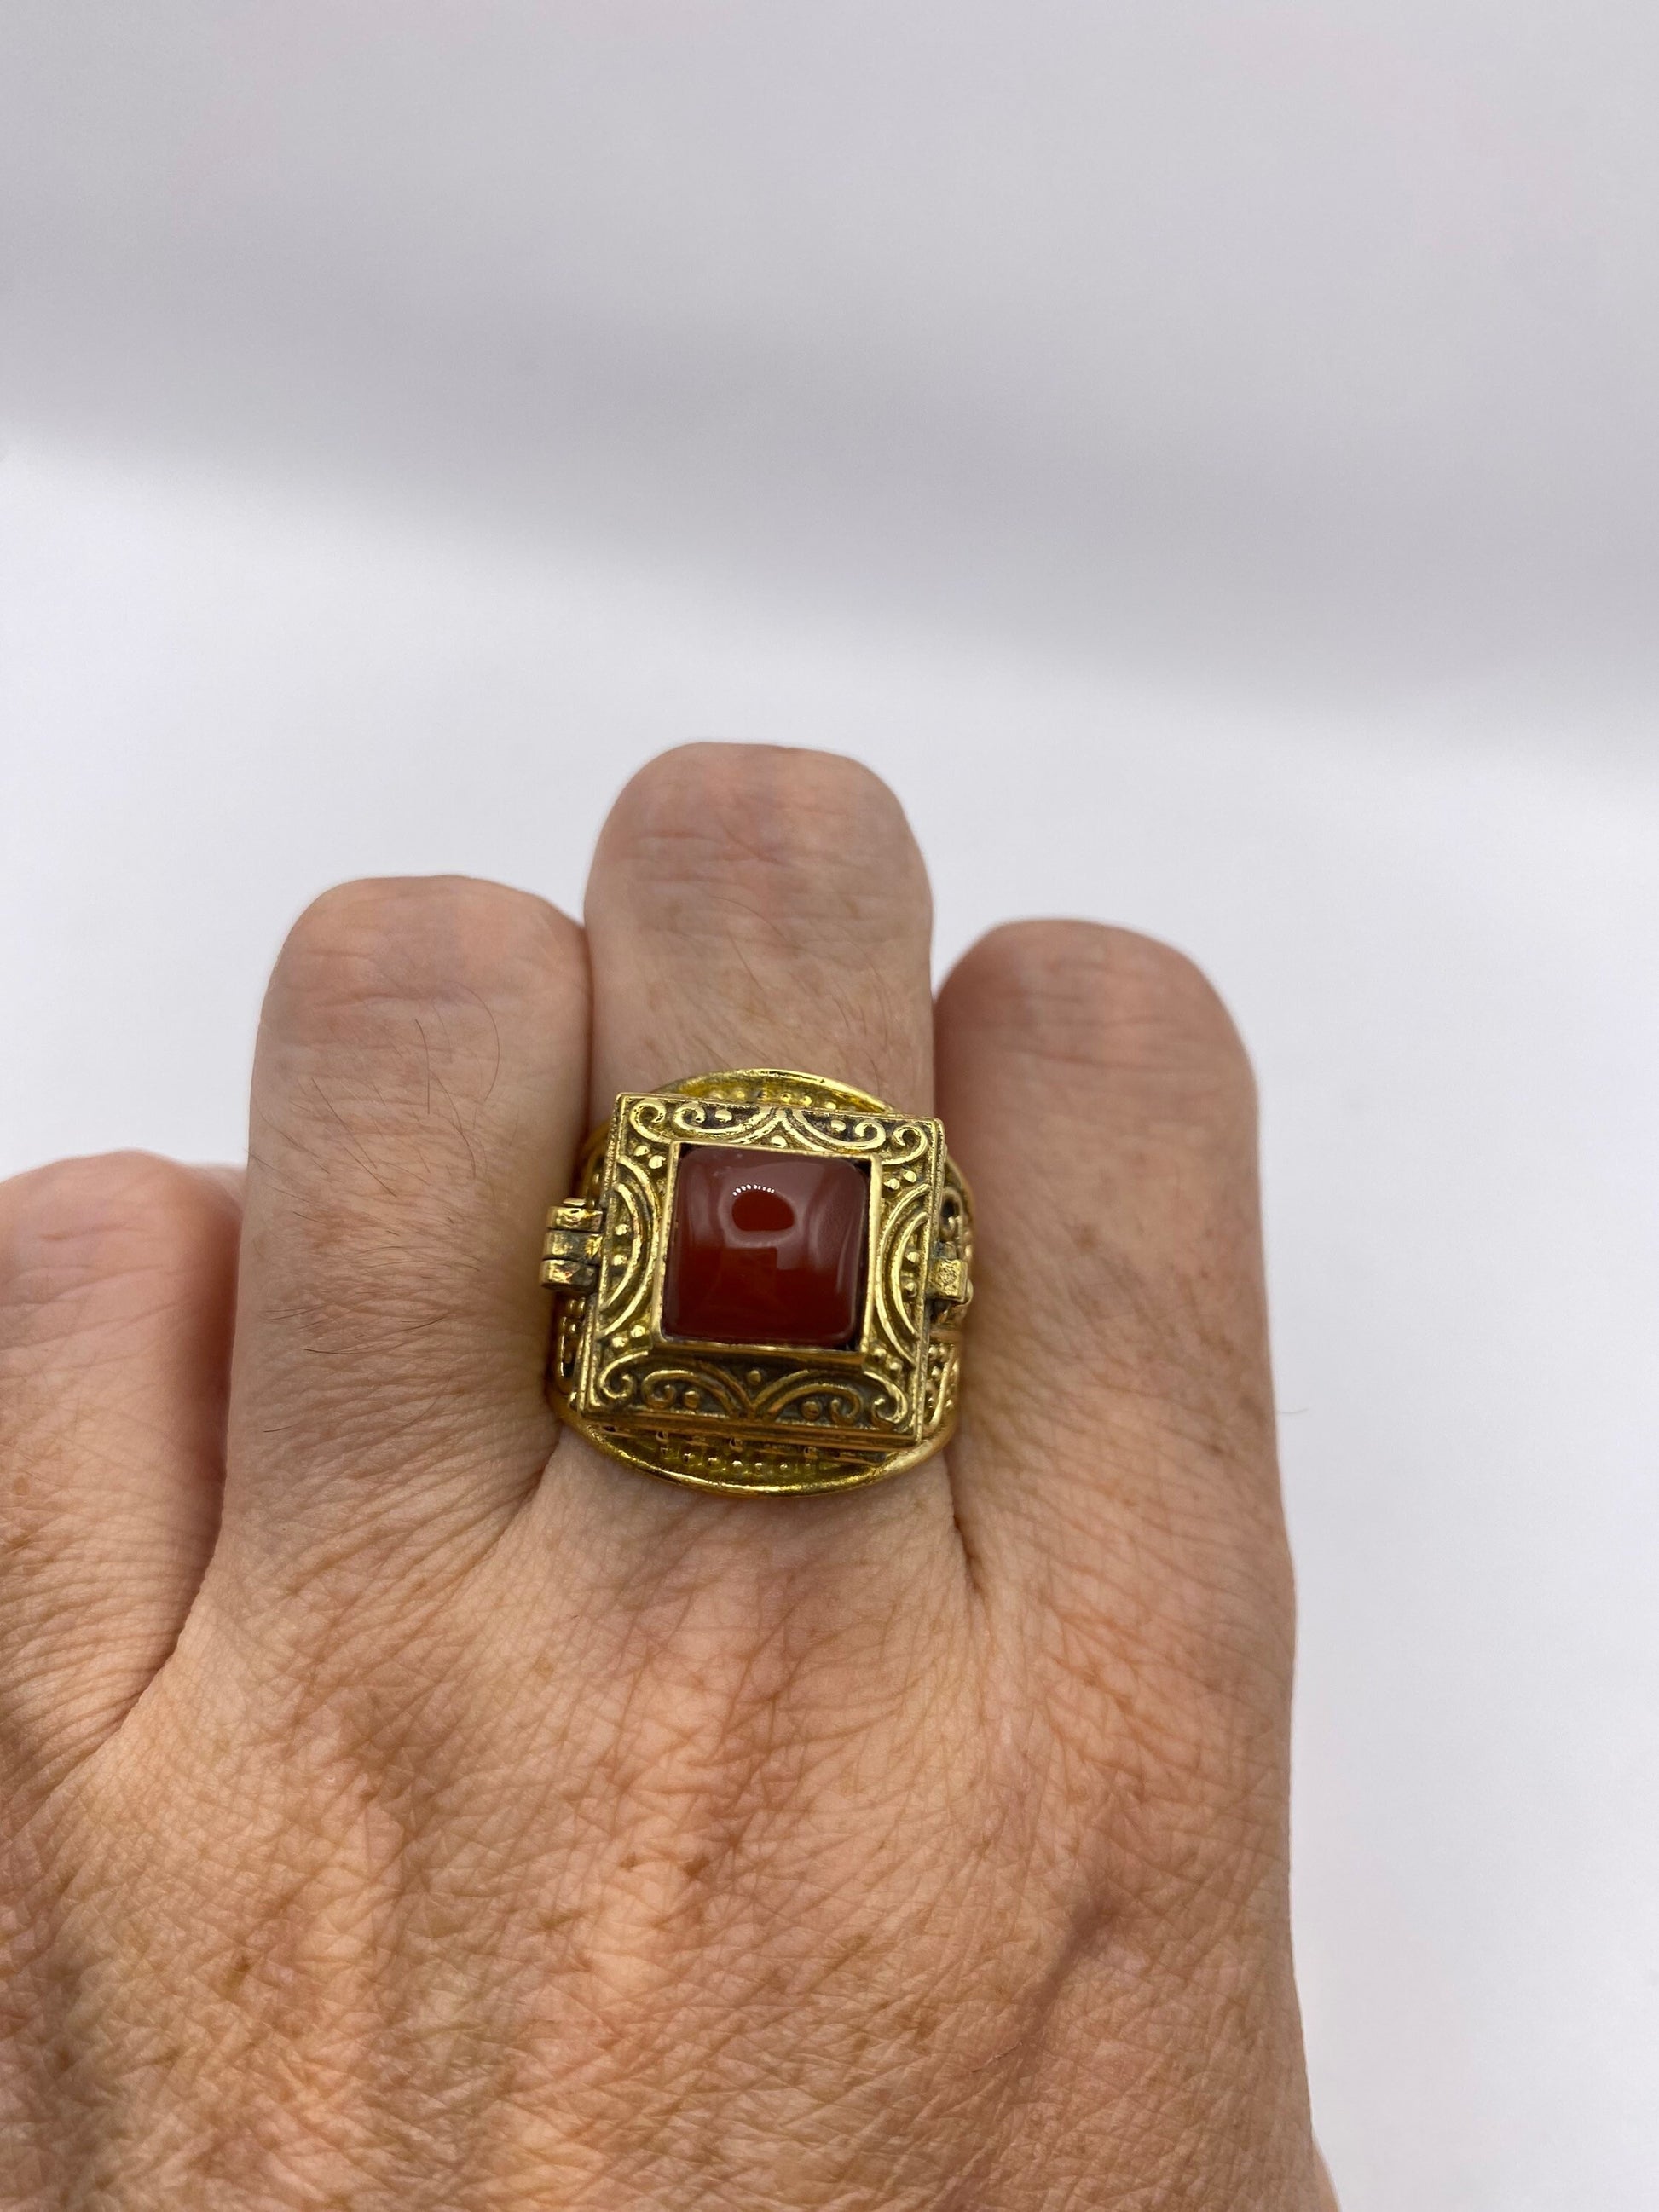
(407, 1806)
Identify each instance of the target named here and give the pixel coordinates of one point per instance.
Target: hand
(407, 1806)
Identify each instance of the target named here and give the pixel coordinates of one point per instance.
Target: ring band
(762, 1277)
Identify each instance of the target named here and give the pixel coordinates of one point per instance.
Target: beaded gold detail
(763, 1416)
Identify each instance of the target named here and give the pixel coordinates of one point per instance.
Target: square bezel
(622, 1364)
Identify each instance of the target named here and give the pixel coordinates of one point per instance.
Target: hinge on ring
(570, 1253)
(947, 1280)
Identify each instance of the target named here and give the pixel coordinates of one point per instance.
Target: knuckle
(69, 1229)
(413, 1029)
(99, 1259)
(1104, 998)
(397, 939)
(765, 829)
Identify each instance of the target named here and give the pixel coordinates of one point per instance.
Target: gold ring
(762, 1280)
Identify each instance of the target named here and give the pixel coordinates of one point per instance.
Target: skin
(405, 1806)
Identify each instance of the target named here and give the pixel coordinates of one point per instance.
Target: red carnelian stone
(768, 1248)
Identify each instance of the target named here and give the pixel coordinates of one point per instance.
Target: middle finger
(755, 906)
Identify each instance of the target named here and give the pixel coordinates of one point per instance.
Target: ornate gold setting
(767, 1417)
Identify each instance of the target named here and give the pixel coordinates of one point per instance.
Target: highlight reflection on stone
(766, 1247)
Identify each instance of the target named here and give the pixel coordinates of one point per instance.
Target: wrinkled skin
(406, 1807)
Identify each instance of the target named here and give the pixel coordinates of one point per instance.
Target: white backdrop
(1208, 458)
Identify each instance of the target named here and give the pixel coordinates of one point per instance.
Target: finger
(1115, 1466)
(117, 1286)
(751, 905)
(755, 907)
(418, 1090)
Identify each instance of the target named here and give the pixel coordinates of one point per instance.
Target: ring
(761, 1281)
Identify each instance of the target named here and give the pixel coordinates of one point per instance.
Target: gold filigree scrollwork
(764, 1417)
